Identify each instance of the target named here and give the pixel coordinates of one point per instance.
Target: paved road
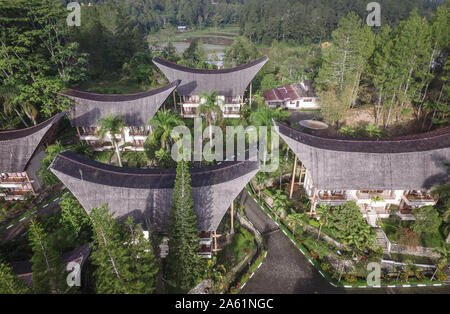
(286, 271)
(19, 228)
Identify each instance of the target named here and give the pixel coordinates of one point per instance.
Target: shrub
(350, 278)
(314, 223)
(404, 277)
(441, 276)
(313, 254)
(325, 266)
(420, 276)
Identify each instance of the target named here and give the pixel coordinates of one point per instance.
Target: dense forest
(41, 55)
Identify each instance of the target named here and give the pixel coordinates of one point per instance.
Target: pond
(210, 44)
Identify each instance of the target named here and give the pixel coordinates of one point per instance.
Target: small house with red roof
(295, 96)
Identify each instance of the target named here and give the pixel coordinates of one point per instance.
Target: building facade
(135, 109)
(21, 152)
(295, 96)
(230, 85)
(381, 175)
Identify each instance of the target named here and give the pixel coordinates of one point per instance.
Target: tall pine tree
(48, 270)
(184, 265)
(124, 257)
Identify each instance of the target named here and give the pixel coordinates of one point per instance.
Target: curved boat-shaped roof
(136, 109)
(146, 194)
(17, 147)
(401, 163)
(227, 82)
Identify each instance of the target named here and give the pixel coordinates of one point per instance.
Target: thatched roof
(227, 82)
(17, 147)
(146, 194)
(136, 109)
(401, 163)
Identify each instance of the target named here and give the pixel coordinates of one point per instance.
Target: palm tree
(7, 95)
(259, 180)
(83, 148)
(163, 124)
(112, 125)
(293, 221)
(210, 109)
(264, 116)
(323, 215)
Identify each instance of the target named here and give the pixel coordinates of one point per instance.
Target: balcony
(369, 194)
(13, 180)
(418, 198)
(139, 133)
(205, 251)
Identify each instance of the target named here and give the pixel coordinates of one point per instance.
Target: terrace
(369, 194)
(10, 179)
(418, 198)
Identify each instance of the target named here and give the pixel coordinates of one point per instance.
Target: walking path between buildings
(286, 271)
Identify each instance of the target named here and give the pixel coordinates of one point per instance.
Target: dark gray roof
(408, 162)
(147, 193)
(136, 109)
(227, 82)
(17, 147)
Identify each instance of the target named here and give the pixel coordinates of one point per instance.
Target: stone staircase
(382, 241)
(372, 220)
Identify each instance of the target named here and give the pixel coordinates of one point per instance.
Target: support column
(251, 87)
(302, 172)
(78, 132)
(215, 241)
(313, 199)
(174, 101)
(232, 218)
(293, 177)
(30, 183)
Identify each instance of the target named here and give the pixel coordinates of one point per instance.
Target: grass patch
(243, 243)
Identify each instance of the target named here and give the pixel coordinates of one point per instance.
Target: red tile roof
(289, 92)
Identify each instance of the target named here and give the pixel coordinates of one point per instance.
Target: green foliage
(39, 57)
(184, 265)
(123, 256)
(73, 215)
(427, 220)
(349, 227)
(48, 270)
(47, 176)
(10, 283)
(112, 125)
(348, 131)
(163, 123)
(241, 51)
(441, 276)
(377, 198)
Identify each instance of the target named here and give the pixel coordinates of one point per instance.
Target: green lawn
(243, 243)
(164, 35)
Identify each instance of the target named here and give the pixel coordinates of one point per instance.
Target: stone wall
(417, 251)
